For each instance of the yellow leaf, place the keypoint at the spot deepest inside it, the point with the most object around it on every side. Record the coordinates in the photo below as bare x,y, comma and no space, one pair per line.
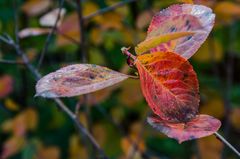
89,7
12,146
110,20
227,11
11,105
20,124
51,152
235,118
155,41
96,36
99,132
210,147
212,103
127,144
7,125
76,150
130,88
227,8
213,107
186,1
31,118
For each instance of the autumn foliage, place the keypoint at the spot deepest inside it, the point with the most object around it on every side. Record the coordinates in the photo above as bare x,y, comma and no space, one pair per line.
168,81
119,79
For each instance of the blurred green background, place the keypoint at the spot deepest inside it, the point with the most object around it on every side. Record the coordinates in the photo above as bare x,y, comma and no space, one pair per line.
34,128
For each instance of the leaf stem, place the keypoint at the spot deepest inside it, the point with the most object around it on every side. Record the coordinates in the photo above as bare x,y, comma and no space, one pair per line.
220,137
107,9
127,53
11,62
49,37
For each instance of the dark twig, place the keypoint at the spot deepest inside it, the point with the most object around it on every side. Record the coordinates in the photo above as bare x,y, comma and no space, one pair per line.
8,40
68,37
220,137
16,29
10,62
63,107
80,126
81,31
49,37
82,54
229,65
107,9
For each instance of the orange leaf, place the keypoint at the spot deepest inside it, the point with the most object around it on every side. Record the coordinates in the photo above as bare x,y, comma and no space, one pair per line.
35,7
169,85
187,1
12,146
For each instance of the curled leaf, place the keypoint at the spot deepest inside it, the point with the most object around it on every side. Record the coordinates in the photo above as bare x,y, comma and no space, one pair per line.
169,85
182,18
200,126
155,41
76,80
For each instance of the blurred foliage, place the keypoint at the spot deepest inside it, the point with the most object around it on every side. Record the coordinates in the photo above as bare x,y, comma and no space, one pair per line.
33,128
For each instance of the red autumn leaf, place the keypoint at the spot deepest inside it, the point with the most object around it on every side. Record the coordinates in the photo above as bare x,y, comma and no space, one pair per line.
182,18
169,85
76,80
200,126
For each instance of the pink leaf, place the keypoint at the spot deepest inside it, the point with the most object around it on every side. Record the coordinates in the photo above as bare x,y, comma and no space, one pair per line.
182,18
200,126
33,32
76,80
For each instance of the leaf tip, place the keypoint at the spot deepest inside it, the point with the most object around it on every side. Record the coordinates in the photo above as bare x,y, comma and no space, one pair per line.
46,94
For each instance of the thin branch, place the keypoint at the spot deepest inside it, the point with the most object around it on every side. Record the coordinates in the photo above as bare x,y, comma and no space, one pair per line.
80,126
16,29
220,137
63,107
68,37
49,37
107,9
81,31
8,40
133,77
10,62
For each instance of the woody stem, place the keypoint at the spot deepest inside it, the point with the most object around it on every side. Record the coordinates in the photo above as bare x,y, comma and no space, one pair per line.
127,53
220,137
